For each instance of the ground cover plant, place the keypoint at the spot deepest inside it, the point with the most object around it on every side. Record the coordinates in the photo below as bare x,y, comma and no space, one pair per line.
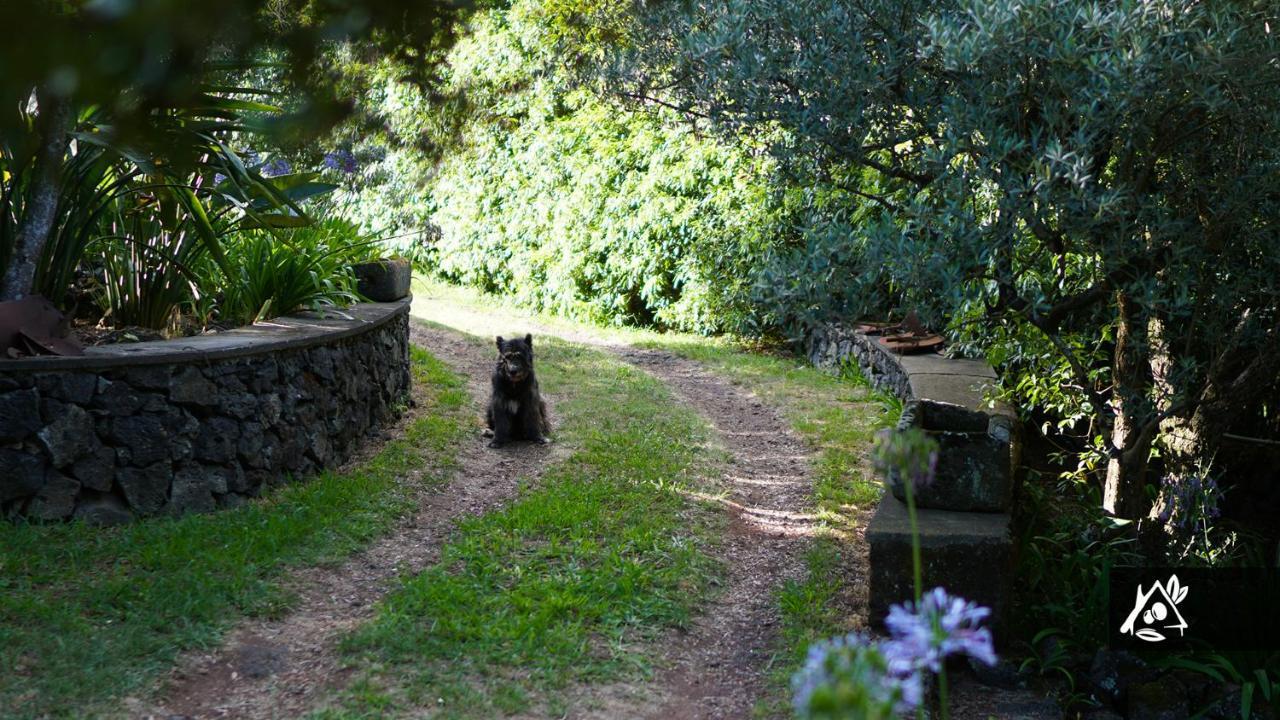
89,615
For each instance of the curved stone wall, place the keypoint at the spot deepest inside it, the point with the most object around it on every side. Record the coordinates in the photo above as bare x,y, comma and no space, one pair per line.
197,423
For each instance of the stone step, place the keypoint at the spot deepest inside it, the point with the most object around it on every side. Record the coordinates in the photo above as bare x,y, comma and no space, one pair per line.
969,554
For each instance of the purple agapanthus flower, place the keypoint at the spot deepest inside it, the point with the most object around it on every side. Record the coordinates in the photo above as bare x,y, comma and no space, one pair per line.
1190,499
845,674
851,666
941,625
277,167
342,160
906,455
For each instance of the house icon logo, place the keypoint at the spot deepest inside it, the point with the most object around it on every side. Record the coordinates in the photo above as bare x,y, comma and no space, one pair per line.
1156,611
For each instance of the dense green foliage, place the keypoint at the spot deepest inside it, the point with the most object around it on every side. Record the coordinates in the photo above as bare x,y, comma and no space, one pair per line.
276,272
1085,192
564,198
613,218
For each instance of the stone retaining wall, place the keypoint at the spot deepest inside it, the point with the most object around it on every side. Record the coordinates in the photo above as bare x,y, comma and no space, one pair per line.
192,424
832,346
963,515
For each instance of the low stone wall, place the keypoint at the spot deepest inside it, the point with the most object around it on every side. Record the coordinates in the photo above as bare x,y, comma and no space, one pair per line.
193,424
964,514
834,345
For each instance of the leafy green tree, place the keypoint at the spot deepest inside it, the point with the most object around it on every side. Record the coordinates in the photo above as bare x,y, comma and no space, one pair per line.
1087,191
559,196
140,65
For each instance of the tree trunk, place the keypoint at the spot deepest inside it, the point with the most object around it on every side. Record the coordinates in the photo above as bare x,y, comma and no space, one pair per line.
1133,429
40,206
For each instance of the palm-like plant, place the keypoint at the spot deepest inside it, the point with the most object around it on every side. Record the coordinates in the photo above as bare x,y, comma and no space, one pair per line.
147,204
284,270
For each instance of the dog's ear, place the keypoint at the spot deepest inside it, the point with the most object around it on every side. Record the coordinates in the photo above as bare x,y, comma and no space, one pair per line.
528,339
500,341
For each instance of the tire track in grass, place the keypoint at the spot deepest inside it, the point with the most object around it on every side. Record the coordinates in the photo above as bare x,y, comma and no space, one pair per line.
281,667
719,668
568,586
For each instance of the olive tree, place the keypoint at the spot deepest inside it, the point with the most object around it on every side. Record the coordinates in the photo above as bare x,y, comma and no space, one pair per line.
1088,191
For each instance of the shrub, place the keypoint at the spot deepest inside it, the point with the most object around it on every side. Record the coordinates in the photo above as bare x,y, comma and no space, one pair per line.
148,266
1085,189
279,271
526,184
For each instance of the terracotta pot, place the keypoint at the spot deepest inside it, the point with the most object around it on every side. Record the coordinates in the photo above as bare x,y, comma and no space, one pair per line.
383,280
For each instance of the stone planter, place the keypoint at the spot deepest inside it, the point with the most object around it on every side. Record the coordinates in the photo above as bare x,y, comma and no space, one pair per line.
384,280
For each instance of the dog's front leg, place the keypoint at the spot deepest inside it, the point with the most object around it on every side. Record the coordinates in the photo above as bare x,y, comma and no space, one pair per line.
531,423
501,426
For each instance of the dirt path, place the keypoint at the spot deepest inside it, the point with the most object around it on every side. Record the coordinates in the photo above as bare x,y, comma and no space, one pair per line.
719,669
282,668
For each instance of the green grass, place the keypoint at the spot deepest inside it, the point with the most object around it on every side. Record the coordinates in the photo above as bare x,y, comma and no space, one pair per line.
836,414
567,582
89,615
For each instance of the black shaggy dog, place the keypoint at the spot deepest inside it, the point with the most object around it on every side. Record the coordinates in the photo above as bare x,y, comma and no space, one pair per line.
516,410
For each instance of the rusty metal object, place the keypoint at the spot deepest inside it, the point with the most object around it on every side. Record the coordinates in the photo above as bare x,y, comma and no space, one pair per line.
910,337
873,328
33,326
912,345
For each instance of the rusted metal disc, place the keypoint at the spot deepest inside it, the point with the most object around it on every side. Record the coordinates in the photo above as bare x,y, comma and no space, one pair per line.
34,326
912,344
872,328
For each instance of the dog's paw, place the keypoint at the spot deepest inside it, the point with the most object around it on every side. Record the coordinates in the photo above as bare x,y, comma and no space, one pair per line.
495,444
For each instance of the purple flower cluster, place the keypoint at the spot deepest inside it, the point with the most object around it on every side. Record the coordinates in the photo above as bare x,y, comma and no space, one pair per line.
847,675
342,160
277,167
852,670
942,625
1189,500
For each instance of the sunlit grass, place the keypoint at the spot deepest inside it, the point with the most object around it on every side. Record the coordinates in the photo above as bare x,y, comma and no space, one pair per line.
837,415
570,581
88,615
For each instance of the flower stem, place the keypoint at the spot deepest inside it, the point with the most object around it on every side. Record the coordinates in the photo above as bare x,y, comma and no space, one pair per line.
915,540
944,707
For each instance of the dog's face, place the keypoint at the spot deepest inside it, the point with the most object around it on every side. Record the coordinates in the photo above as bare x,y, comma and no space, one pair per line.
515,357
